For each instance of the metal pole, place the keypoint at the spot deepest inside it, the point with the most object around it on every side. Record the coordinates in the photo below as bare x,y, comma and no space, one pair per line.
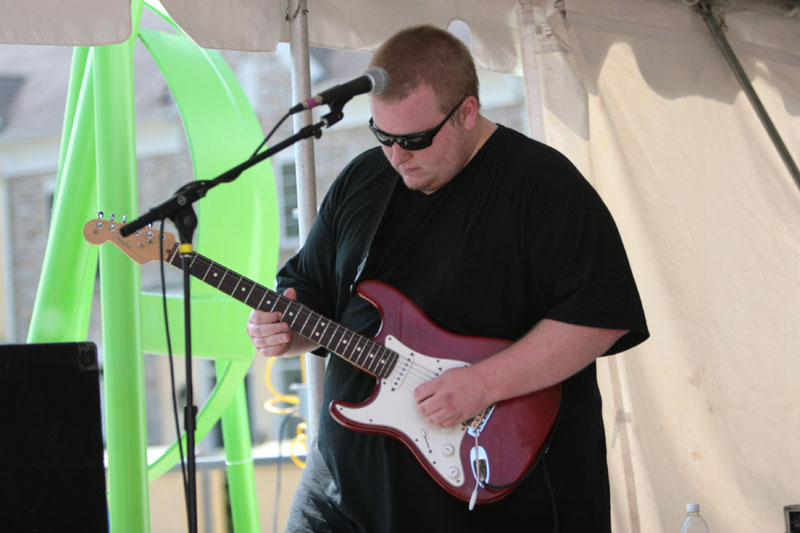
297,14
527,16
704,8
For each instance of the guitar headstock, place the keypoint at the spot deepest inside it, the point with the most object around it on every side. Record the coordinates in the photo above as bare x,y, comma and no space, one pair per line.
141,246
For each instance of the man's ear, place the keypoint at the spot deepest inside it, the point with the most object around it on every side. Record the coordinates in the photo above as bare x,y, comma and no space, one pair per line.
469,112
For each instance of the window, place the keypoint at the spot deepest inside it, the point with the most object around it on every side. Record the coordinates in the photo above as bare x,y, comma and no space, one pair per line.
286,184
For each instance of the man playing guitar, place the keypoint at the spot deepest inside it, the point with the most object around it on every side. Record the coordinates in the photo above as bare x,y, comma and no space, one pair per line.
491,235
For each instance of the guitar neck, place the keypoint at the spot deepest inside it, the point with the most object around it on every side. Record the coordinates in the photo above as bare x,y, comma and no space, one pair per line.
360,351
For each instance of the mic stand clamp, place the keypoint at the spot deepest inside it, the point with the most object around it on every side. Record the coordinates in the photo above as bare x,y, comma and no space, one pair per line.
334,116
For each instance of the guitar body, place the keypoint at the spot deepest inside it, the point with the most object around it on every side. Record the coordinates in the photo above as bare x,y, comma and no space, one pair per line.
511,435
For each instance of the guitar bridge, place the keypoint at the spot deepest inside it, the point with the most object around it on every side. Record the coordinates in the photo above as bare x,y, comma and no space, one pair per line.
476,424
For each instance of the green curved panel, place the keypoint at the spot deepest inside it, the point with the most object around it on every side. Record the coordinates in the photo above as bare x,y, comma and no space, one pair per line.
222,131
234,218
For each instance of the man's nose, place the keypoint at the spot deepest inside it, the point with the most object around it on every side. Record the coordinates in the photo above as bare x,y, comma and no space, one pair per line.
398,154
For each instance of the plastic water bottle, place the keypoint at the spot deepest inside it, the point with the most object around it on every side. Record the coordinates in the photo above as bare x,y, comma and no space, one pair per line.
693,523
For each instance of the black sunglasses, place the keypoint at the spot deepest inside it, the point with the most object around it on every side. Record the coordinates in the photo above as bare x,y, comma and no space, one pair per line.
411,141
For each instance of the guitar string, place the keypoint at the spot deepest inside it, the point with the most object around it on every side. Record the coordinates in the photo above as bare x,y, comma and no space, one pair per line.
303,314
415,375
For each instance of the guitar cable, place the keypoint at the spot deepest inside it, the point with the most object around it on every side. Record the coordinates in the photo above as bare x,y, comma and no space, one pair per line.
171,365
479,466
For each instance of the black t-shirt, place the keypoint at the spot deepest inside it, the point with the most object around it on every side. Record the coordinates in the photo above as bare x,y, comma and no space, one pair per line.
517,236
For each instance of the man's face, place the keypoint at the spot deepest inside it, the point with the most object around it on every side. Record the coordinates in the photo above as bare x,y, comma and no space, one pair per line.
428,169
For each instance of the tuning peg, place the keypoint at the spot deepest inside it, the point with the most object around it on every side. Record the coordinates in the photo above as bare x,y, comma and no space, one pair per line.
99,214
124,219
111,218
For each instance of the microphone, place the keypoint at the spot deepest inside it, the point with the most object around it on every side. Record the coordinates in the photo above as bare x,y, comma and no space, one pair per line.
374,80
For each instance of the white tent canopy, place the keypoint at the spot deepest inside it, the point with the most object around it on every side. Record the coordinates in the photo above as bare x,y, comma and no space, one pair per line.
637,93
258,25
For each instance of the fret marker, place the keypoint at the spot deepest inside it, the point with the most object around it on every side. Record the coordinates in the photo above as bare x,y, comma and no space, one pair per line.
269,301
216,274
316,333
243,289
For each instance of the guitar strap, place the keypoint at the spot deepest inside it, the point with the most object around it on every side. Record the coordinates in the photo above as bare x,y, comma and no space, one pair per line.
385,193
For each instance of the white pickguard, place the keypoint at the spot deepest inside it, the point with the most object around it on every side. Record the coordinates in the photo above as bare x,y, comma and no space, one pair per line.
396,408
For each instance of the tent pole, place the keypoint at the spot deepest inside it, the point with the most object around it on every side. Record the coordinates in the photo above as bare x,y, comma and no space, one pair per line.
704,8
527,15
297,13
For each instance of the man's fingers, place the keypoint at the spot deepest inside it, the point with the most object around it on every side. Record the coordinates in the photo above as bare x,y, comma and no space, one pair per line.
263,317
269,335
277,330
290,293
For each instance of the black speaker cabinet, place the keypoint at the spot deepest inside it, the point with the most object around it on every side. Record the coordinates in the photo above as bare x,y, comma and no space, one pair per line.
792,514
51,449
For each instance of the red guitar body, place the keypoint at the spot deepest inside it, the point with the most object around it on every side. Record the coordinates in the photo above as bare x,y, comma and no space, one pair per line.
511,433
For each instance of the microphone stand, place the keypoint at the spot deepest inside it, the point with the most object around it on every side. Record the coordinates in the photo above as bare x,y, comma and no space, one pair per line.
179,210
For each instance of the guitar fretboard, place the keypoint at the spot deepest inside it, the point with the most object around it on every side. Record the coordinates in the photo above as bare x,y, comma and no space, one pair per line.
364,353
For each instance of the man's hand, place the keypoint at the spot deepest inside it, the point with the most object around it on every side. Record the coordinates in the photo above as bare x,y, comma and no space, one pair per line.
452,398
548,354
267,333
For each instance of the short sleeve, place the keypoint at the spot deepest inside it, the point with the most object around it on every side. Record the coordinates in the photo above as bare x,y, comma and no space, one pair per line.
583,268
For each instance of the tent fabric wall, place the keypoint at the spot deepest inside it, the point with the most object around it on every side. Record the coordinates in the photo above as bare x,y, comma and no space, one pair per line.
707,410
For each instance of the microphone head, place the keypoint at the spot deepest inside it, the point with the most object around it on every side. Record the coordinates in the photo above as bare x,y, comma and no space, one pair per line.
379,79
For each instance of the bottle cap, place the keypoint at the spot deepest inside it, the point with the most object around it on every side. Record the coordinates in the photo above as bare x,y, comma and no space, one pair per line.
692,507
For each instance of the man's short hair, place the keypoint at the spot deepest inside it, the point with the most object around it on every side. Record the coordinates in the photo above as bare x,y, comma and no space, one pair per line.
431,56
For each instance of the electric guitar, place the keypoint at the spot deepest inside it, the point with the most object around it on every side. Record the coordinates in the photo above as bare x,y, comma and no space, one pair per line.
479,461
